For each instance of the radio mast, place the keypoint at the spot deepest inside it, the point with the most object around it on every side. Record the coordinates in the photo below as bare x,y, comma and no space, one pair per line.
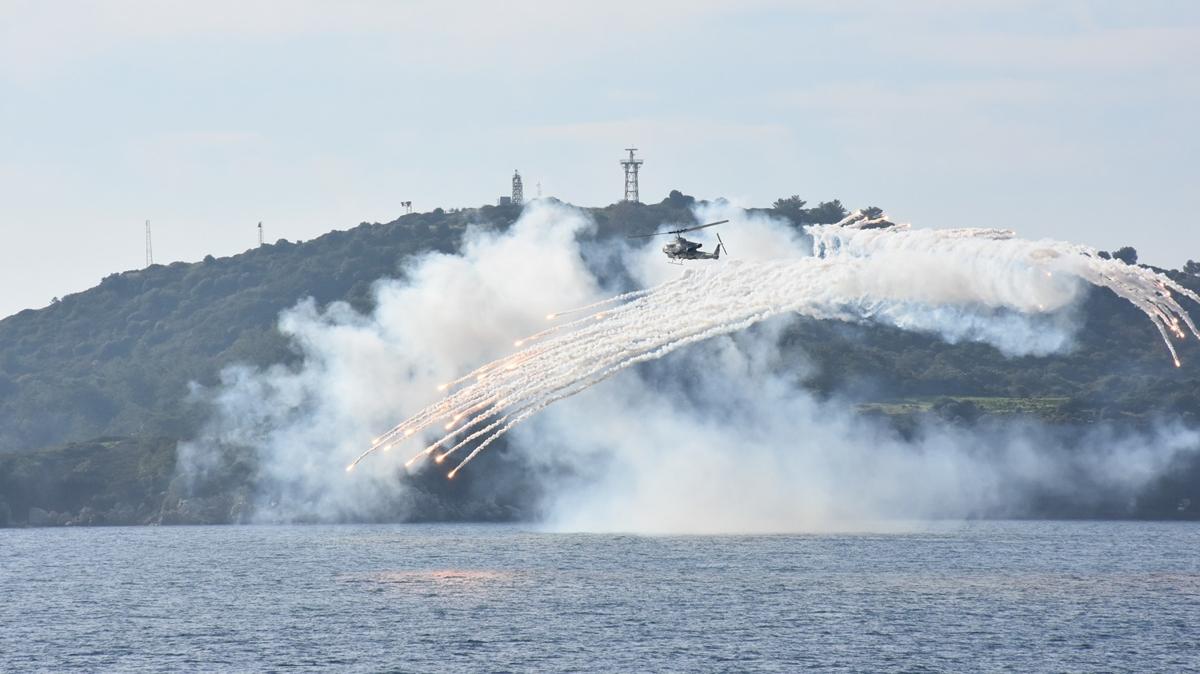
149,246
518,189
631,175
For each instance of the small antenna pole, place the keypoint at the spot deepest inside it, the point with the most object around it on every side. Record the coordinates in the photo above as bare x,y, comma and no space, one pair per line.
260,234
149,246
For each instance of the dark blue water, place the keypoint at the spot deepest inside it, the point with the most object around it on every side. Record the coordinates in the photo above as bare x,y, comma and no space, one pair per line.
1010,596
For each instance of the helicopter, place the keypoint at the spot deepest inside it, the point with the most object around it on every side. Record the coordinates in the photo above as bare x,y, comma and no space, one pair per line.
681,249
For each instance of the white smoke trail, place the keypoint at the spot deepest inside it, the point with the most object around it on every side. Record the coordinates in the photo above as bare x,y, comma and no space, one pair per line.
294,426
861,269
719,439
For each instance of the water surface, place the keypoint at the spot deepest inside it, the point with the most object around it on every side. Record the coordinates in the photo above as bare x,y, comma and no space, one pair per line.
996,596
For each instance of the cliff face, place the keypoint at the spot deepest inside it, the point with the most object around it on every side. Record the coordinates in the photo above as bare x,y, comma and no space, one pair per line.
133,481
105,481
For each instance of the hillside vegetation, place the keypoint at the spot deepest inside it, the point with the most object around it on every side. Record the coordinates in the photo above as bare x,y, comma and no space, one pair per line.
116,362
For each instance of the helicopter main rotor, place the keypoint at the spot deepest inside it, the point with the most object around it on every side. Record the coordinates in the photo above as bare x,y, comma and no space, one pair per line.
677,231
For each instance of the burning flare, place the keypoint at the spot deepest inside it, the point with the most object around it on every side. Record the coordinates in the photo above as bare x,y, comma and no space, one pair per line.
839,281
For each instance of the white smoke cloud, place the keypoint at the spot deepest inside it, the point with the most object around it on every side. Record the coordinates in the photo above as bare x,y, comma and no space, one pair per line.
740,448
748,453
755,237
840,281
359,371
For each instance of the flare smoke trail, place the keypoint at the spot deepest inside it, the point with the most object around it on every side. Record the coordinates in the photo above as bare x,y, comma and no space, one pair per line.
861,269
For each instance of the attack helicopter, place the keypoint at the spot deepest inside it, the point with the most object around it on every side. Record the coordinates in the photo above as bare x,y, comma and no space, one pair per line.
681,249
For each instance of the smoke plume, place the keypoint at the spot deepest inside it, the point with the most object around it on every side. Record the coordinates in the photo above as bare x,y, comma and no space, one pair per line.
712,437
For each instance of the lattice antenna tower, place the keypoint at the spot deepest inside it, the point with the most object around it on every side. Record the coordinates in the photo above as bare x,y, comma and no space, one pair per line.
631,175
260,234
149,246
518,191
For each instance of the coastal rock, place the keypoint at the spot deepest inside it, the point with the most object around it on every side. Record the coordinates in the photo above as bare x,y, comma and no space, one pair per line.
123,514
88,517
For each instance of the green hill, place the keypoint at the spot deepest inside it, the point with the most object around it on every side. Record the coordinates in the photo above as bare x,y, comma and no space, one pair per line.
116,361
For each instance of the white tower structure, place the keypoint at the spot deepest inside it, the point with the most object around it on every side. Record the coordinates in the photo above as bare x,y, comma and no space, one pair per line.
518,191
149,246
631,175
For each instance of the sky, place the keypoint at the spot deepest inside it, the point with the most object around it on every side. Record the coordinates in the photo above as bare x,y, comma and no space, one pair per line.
1064,120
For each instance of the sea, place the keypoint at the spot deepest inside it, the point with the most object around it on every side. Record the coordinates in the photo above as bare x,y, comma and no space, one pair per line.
980,596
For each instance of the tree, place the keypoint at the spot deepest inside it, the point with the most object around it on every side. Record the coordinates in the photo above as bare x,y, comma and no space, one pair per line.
1126,254
959,411
873,212
1192,267
679,199
826,212
792,203
791,208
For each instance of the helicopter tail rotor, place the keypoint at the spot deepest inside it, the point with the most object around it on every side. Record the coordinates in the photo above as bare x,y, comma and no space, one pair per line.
720,247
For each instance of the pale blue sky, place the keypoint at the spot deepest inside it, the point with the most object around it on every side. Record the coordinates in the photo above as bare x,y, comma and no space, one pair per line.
1069,120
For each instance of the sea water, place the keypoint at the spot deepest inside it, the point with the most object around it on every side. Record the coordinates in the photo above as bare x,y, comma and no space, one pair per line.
952,597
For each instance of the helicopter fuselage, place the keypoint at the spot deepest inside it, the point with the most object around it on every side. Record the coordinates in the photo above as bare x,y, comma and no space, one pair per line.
682,249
